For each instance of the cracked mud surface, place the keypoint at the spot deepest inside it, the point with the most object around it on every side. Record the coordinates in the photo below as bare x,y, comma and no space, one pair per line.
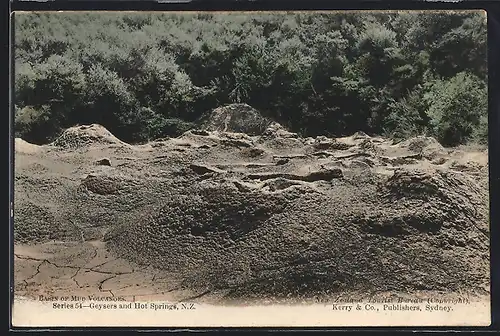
87,269
218,216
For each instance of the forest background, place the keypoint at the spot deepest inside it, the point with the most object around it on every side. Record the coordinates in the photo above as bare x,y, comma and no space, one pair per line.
150,75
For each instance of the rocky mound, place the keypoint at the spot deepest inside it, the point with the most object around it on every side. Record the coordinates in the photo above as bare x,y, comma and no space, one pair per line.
86,135
238,118
270,215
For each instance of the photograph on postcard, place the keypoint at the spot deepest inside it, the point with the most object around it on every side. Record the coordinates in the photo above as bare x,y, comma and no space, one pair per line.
251,168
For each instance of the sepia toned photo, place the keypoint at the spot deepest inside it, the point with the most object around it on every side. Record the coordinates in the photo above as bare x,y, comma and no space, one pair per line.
239,169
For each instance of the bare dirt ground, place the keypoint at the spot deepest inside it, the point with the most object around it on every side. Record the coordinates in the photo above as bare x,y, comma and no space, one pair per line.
219,216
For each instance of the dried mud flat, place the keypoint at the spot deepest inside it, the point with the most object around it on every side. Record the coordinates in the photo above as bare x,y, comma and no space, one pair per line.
224,217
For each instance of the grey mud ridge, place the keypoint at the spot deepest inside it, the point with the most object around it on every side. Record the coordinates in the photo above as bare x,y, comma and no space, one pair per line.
225,215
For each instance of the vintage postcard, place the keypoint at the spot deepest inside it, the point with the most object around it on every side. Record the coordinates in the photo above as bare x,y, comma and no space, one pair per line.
276,169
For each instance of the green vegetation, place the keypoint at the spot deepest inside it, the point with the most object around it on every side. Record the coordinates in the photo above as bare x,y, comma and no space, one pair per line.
149,75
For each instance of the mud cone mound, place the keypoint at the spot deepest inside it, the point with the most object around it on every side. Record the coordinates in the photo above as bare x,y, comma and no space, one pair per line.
428,146
292,238
86,135
237,118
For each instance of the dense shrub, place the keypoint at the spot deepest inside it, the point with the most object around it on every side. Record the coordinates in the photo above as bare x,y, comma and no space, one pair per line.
35,123
407,116
457,108
159,127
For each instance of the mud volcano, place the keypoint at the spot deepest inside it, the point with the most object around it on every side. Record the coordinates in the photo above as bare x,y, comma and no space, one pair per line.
265,215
